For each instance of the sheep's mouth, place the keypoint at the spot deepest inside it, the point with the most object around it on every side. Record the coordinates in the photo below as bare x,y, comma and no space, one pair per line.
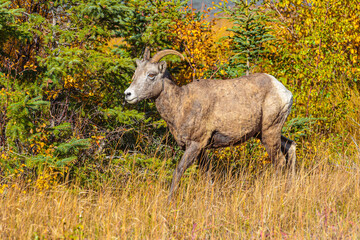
132,101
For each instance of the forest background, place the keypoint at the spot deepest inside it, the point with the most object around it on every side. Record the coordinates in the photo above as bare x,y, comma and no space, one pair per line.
65,129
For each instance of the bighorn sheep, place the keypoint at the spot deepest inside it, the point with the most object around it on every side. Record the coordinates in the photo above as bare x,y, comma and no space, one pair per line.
215,113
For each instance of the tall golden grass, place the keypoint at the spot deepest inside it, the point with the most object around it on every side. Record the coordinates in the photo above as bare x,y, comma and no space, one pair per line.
321,202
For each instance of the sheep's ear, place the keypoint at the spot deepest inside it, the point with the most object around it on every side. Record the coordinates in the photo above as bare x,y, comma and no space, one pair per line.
147,54
162,66
138,61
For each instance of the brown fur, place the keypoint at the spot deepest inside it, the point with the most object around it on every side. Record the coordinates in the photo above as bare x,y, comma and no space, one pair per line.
217,113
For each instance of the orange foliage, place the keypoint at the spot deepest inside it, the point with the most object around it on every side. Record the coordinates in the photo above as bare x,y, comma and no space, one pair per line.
196,35
20,56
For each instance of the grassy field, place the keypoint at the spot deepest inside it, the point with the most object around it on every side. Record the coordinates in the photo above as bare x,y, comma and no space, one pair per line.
321,202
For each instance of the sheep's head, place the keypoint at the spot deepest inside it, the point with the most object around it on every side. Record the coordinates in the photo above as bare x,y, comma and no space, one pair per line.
148,79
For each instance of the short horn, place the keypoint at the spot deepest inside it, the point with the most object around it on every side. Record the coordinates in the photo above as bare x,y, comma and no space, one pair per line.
147,53
158,56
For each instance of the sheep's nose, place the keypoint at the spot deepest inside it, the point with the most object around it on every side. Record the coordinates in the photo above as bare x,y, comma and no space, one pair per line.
127,93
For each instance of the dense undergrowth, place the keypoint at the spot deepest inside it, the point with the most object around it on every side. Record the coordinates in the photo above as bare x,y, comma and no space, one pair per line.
69,141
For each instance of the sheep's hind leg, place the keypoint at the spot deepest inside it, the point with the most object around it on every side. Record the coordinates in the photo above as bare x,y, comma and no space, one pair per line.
288,148
271,138
273,122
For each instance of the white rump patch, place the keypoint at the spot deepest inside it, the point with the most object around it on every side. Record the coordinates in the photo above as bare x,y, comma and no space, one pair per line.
284,94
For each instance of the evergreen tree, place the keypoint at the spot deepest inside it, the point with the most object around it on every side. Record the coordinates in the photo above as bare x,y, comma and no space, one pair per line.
249,35
61,79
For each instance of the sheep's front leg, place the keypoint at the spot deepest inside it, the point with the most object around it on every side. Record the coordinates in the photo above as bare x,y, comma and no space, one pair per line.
191,153
204,161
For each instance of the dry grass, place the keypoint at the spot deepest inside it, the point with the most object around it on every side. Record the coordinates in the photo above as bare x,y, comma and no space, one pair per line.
320,203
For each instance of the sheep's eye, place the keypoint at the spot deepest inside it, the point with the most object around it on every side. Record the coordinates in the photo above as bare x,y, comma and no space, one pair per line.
152,76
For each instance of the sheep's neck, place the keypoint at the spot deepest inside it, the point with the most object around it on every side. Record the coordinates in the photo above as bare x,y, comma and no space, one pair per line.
168,102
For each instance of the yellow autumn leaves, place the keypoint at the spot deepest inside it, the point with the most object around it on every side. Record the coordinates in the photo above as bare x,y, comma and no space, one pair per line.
195,35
